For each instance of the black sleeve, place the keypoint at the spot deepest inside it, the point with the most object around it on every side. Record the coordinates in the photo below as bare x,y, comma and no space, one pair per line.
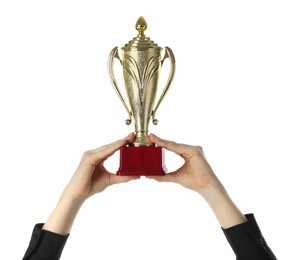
45,245
248,242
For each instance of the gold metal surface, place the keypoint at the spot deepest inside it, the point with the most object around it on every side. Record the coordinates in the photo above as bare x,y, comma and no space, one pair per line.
141,62
114,54
141,26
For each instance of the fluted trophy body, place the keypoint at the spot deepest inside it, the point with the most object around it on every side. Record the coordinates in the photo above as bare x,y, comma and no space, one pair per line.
141,74
142,62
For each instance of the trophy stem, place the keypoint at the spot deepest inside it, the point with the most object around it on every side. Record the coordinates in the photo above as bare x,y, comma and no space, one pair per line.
142,139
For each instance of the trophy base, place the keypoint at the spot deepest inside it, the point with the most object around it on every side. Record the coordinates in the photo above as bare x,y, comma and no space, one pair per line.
141,161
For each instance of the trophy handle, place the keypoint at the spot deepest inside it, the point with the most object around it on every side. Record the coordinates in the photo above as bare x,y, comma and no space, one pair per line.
114,54
168,54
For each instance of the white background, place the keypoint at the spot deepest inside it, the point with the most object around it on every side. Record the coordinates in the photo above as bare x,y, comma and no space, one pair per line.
234,93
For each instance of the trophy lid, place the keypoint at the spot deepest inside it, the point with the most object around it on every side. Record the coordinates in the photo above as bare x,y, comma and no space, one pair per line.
141,42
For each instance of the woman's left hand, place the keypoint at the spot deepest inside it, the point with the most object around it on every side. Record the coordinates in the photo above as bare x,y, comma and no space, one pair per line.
91,176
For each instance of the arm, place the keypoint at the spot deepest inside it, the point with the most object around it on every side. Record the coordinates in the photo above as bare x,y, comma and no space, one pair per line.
91,177
196,174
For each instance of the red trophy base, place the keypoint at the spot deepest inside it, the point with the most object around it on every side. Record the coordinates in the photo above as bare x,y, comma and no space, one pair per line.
141,161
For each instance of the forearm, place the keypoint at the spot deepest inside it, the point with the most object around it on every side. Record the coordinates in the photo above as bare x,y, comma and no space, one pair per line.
223,207
63,216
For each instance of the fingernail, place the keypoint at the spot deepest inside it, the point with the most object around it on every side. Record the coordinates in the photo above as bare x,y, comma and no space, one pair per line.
130,135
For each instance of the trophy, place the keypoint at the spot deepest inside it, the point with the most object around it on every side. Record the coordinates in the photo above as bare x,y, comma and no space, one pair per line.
141,62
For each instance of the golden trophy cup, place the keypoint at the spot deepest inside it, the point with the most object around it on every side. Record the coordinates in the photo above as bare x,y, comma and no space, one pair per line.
141,62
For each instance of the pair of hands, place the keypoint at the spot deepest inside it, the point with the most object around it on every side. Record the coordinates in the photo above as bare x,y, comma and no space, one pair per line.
92,177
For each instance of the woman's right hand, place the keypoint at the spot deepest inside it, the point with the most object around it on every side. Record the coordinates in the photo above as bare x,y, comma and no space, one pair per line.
195,173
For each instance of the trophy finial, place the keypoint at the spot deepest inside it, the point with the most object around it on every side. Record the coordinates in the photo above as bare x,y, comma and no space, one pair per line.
141,26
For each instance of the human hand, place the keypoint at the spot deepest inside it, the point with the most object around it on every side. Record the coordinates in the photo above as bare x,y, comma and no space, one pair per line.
91,176
195,173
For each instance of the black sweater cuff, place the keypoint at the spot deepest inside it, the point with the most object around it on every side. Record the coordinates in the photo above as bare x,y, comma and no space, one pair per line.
45,245
247,241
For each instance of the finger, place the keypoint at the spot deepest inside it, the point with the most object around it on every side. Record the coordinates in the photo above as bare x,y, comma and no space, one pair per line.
180,149
169,177
97,155
115,179
170,145
117,144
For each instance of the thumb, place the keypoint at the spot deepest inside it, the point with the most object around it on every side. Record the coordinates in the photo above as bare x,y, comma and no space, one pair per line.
115,179
169,177
172,146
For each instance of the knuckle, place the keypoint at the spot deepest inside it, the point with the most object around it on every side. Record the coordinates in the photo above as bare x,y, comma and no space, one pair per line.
197,149
87,155
170,143
200,148
163,143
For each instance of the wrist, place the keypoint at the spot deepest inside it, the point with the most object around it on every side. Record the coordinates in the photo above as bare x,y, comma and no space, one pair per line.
225,210
215,194
72,198
212,191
